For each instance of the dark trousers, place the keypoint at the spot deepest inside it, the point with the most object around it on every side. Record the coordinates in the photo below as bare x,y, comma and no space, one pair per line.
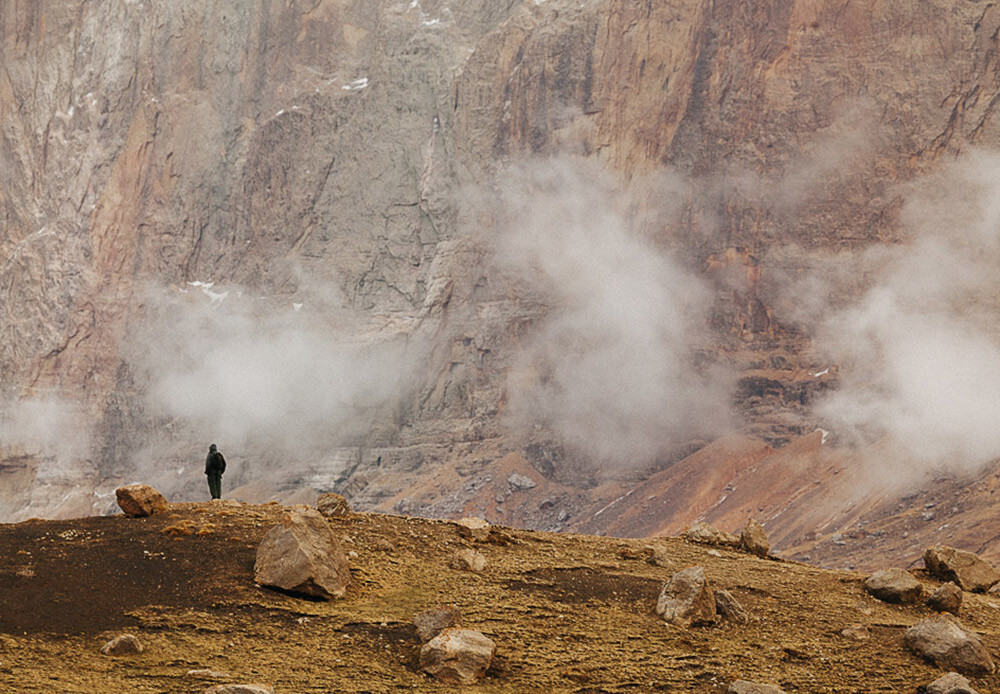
215,484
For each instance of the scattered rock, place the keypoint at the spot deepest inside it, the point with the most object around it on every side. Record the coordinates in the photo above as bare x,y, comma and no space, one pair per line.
966,569
521,482
706,534
333,505
468,560
432,622
140,500
457,656
894,585
302,556
474,528
947,598
686,599
240,689
753,539
945,642
744,687
728,607
208,674
658,556
952,683
124,644
857,632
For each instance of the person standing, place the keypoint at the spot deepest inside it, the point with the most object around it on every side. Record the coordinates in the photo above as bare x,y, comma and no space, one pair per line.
215,465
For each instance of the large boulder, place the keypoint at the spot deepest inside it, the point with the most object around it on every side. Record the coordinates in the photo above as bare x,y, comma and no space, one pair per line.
952,683
124,644
945,642
432,622
686,599
706,534
947,598
302,556
894,585
140,500
745,687
457,656
753,539
966,569
333,505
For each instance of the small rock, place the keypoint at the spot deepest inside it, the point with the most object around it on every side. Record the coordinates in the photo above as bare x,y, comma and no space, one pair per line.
430,623
945,642
728,607
857,632
208,674
457,656
714,553
140,500
947,598
686,600
240,689
952,683
124,644
838,539
302,556
744,687
333,505
522,482
895,586
753,539
706,534
468,560
658,556
474,528
966,569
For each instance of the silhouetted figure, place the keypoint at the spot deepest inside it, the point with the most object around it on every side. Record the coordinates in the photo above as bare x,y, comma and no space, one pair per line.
215,465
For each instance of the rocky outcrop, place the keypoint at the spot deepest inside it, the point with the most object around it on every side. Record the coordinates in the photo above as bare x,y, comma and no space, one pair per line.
140,500
894,585
686,599
302,556
966,569
457,656
474,528
945,642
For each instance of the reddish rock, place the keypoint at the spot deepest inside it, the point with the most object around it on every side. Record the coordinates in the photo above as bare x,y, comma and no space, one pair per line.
457,656
753,539
140,500
302,556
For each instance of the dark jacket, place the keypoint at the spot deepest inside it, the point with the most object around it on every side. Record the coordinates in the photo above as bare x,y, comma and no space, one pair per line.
215,463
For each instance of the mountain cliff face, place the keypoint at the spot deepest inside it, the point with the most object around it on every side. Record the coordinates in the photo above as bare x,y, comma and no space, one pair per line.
288,227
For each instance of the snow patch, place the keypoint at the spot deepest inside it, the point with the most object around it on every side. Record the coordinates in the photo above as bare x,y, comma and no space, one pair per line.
826,434
824,372
356,85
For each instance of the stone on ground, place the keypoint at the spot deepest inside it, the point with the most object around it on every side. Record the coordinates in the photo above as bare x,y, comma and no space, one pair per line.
945,642
124,644
947,598
658,556
745,687
753,539
140,500
857,632
468,560
966,569
333,505
686,599
706,534
894,585
457,656
302,556
206,674
952,683
240,689
728,607
474,528
432,622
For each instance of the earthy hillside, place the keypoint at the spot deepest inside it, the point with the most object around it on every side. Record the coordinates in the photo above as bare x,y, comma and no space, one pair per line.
632,254
569,613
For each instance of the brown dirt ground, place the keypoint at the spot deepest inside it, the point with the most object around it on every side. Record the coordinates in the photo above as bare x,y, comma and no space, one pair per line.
570,613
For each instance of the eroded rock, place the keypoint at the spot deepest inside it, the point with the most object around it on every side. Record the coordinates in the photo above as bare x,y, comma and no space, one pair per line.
753,539
468,560
457,656
302,556
333,505
430,623
123,644
945,642
728,607
894,585
474,528
952,683
706,534
140,500
686,599
966,569
947,598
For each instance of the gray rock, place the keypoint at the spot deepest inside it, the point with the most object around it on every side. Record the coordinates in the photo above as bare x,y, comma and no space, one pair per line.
745,687
947,598
966,569
430,623
945,642
521,482
728,607
302,556
123,644
706,534
457,656
753,539
686,599
333,505
952,683
894,585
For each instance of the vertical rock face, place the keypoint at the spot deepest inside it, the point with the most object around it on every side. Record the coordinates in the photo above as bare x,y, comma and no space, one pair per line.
159,157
